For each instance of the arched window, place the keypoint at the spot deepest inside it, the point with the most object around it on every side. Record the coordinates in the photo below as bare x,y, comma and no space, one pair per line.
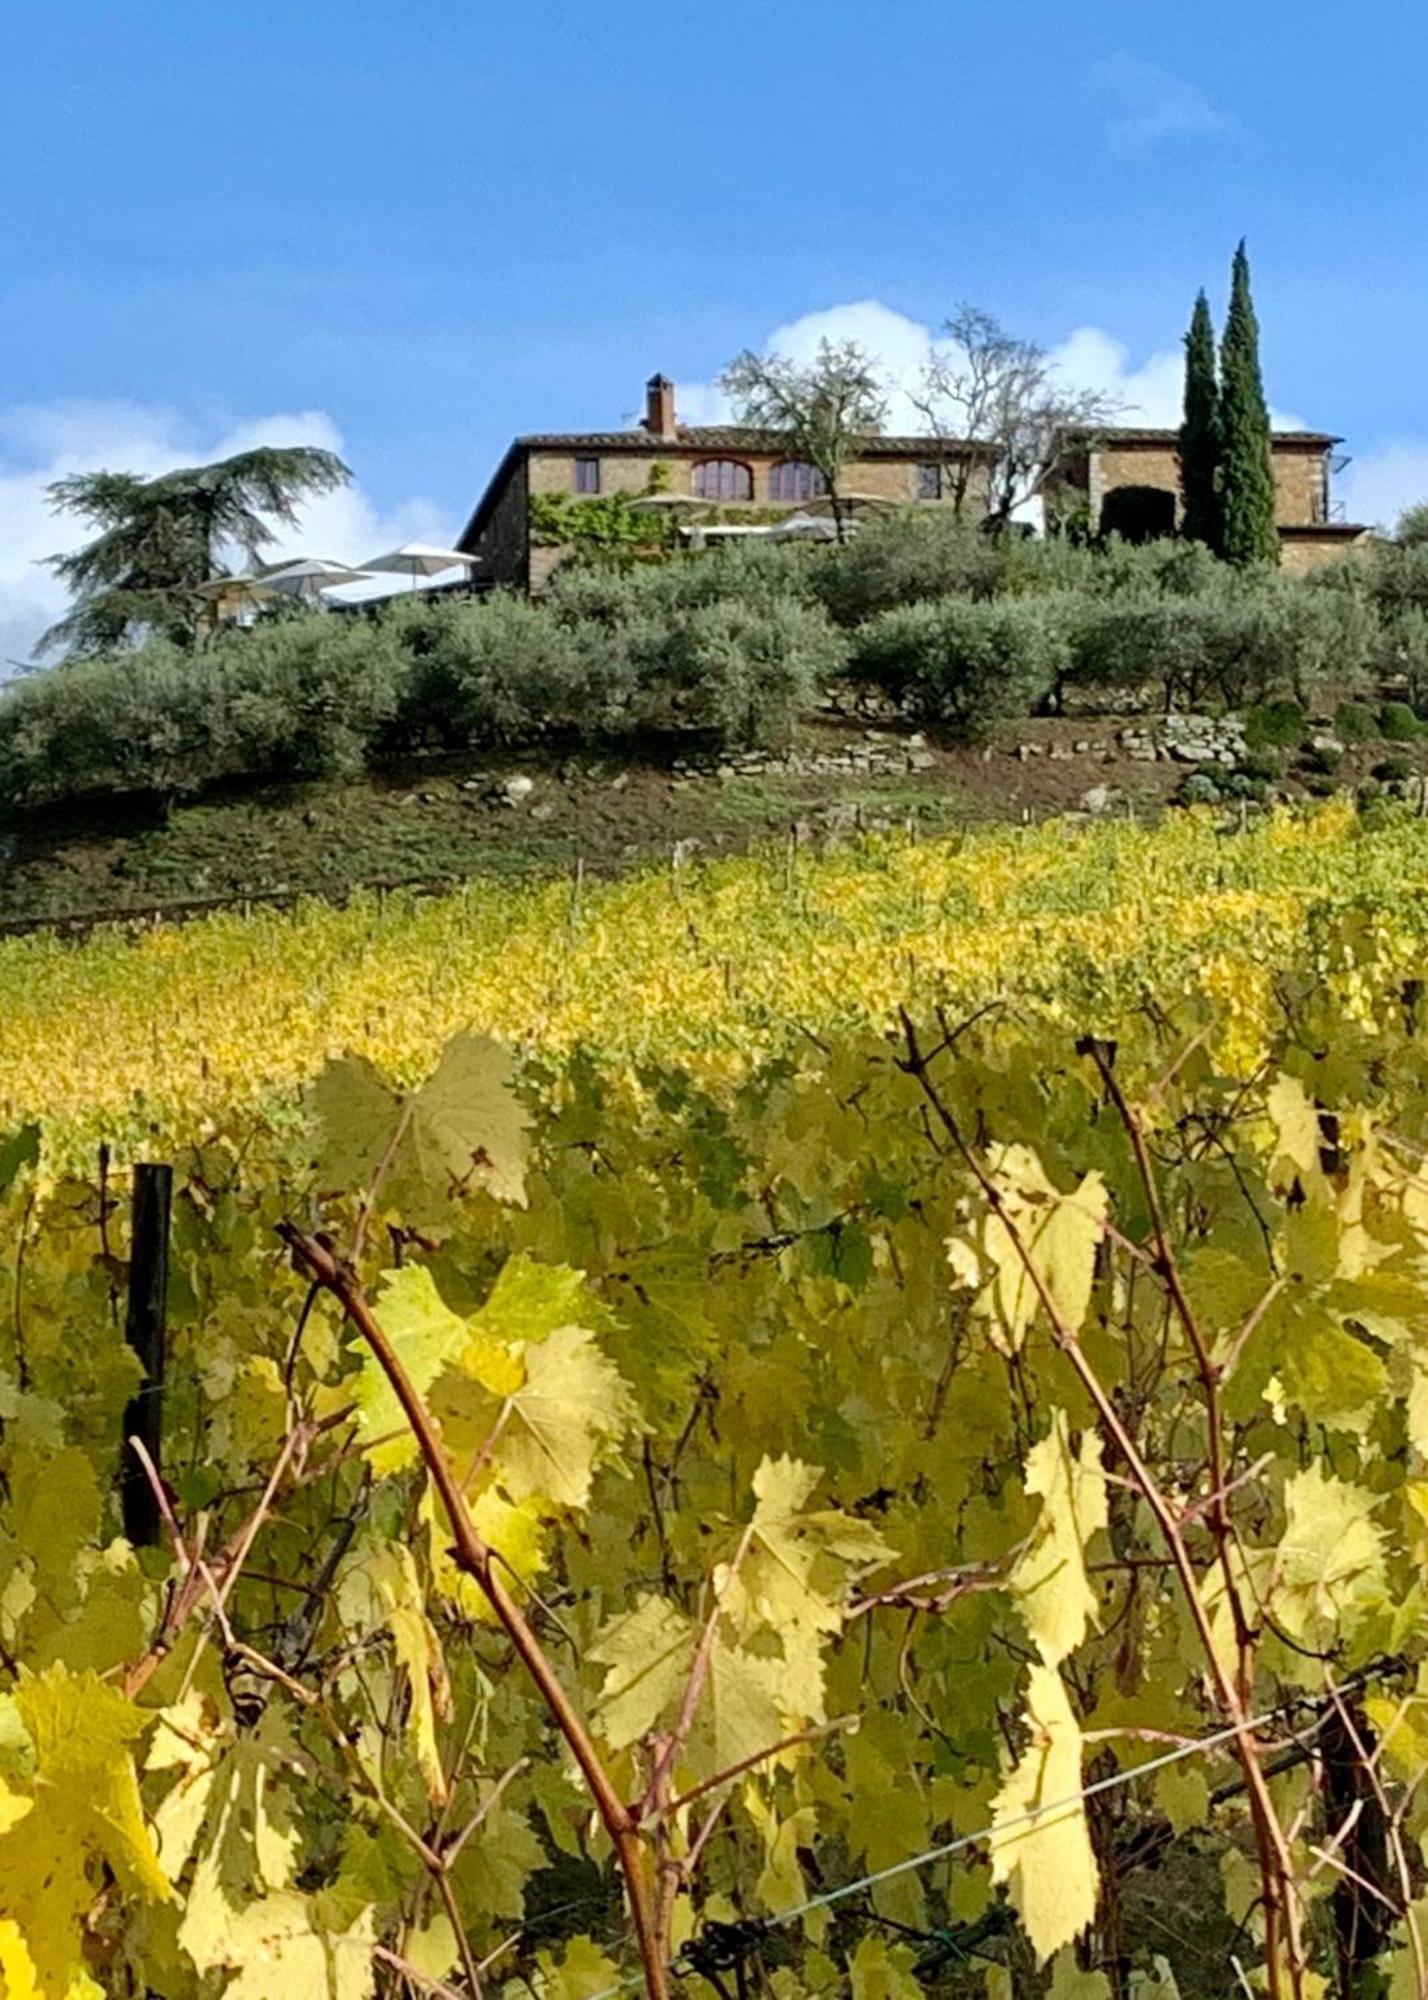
796,479
722,479
1138,513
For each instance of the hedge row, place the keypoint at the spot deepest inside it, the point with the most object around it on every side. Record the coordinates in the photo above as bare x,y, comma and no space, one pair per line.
316,695
732,647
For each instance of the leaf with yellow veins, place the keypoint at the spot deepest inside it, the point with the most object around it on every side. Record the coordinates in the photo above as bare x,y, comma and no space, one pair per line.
1047,1862
1057,1233
566,1419
796,1576
1049,1581
740,1714
517,1534
428,1337
1329,1569
385,1576
647,1655
529,1300
85,1820
467,1124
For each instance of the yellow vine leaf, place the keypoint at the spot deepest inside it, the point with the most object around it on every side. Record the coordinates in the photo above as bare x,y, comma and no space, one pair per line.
467,1124
1059,1234
647,1655
279,1947
1047,1863
13,1807
516,1533
1329,1570
428,1337
1295,1123
464,1127
796,1577
565,1420
250,1837
386,1577
581,1971
18,1978
1068,1982
883,1971
85,1819
1049,1580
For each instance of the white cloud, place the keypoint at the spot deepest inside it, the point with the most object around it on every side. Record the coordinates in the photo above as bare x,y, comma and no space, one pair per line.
1148,391
1145,104
43,442
1379,486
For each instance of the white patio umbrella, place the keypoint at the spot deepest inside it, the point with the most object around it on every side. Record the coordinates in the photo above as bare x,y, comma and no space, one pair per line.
804,528
307,578
416,559
235,594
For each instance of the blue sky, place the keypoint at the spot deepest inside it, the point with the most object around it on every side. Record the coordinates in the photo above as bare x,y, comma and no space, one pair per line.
422,229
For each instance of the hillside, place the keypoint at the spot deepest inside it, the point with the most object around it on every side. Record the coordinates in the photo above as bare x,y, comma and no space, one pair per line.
443,821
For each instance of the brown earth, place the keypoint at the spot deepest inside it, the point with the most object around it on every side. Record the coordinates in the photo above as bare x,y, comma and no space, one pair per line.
447,821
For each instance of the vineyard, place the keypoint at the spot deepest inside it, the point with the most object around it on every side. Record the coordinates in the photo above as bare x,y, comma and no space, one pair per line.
845,1423
157,1036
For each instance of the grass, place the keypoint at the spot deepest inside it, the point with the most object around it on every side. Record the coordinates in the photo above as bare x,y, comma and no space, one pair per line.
425,828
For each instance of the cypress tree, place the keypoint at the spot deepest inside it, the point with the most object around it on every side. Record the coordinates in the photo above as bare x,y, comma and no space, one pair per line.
1200,431
1247,530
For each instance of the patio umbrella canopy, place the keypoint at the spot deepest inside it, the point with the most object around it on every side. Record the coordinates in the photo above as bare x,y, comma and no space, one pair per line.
804,528
416,559
309,577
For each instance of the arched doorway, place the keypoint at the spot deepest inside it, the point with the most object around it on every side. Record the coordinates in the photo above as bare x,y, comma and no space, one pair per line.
1138,513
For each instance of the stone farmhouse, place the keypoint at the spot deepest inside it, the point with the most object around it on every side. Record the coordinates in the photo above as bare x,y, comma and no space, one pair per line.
1121,479
725,465
1126,481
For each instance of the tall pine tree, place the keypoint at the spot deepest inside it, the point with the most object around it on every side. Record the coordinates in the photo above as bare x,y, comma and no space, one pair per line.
1247,530
1200,431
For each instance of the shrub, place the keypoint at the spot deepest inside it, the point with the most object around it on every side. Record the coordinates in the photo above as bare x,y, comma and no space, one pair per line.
1249,641
1275,725
1148,645
1402,654
1266,765
1397,723
961,664
487,672
908,558
1319,760
1199,789
1355,722
743,673
297,698
1392,770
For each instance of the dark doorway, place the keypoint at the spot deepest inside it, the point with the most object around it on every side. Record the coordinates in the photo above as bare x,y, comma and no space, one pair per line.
1138,513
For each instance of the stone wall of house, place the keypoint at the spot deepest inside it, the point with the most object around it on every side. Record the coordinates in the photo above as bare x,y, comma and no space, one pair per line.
501,552
1299,554
1298,485
893,479
1298,477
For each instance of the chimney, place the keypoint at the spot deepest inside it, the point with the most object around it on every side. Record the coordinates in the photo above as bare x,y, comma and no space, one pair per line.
659,406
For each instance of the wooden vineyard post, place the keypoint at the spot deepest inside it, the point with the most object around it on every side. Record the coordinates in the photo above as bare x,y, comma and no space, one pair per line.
144,1331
